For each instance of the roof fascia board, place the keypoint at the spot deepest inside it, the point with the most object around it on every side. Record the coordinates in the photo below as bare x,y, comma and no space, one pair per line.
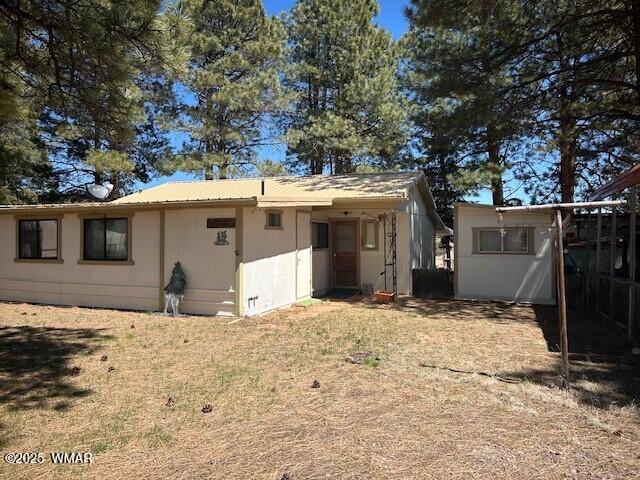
430,203
108,207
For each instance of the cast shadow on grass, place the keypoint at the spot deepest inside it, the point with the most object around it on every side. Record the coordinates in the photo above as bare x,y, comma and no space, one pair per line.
603,371
36,365
458,310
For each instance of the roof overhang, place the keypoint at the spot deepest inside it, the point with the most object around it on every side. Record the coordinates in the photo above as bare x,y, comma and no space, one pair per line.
618,184
561,206
425,191
119,207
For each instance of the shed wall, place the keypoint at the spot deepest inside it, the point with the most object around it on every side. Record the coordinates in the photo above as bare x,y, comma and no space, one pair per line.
508,277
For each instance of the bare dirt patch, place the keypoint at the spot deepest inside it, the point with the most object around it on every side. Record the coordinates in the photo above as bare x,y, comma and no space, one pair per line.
420,411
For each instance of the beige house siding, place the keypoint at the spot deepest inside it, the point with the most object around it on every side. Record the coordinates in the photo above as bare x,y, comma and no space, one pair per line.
70,283
256,269
210,268
508,277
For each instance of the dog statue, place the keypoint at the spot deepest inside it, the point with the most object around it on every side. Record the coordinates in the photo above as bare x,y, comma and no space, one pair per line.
174,291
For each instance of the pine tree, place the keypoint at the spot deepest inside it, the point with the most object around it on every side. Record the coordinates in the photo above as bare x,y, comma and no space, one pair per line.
467,115
75,65
228,54
343,68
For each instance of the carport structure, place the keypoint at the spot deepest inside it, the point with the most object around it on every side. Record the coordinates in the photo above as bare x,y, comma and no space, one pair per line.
605,288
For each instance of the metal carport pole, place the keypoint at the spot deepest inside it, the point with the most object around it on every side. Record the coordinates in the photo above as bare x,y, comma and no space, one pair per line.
556,208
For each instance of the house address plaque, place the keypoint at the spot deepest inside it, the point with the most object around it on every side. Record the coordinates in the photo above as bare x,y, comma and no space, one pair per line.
221,223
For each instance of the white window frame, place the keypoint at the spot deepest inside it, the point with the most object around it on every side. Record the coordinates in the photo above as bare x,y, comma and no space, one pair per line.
530,231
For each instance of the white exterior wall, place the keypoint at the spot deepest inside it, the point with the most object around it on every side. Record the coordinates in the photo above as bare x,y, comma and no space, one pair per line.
210,268
508,277
269,262
320,272
70,283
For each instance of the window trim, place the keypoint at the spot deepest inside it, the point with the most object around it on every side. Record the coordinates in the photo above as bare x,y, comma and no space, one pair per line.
530,241
112,215
375,235
276,212
58,219
320,249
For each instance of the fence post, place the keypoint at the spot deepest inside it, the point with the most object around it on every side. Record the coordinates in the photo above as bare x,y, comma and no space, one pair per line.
632,261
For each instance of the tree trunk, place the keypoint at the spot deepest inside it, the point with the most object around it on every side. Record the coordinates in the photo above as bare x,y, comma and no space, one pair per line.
208,168
635,32
495,163
567,156
344,162
567,135
223,171
316,164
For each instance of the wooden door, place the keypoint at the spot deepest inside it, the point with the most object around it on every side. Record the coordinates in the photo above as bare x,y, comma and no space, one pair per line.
344,249
303,254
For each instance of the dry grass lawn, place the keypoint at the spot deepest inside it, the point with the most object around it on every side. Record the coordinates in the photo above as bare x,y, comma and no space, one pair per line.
416,413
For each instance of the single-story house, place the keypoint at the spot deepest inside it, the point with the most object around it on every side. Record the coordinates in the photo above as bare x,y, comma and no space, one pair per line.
507,256
247,246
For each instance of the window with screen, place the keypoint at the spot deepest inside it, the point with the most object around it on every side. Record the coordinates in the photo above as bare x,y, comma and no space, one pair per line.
369,235
320,235
506,240
38,239
274,220
106,239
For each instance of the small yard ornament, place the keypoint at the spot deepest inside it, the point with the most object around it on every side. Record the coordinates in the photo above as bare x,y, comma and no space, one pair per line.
174,291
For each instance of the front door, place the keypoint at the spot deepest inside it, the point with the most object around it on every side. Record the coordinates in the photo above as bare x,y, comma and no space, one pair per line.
345,253
303,254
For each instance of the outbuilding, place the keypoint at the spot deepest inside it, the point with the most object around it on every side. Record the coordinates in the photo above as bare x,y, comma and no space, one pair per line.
503,256
247,246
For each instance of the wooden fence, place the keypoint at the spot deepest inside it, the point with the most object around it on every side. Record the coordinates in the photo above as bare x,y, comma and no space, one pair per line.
436,283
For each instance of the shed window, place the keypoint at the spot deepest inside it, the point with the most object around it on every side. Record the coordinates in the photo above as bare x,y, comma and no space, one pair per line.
38,239
320,235
369,235
106,239
506,240
274,220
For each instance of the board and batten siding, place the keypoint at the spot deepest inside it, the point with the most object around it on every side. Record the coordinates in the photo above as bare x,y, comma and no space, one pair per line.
125,286
210,268
505,277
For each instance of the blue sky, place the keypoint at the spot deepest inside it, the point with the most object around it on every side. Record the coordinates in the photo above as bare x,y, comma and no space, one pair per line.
391,17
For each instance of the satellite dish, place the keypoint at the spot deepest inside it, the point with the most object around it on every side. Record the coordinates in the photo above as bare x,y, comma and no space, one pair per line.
100,191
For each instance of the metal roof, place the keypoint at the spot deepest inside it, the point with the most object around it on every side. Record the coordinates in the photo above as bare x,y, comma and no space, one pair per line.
316,190
317,187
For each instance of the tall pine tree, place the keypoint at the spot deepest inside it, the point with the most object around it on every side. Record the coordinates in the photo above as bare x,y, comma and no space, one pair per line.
348,109
467,115
225,82
74,66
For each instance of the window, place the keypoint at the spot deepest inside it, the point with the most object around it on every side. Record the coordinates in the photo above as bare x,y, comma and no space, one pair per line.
106,239
370,235
38,239
274,220
320,235
506,240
